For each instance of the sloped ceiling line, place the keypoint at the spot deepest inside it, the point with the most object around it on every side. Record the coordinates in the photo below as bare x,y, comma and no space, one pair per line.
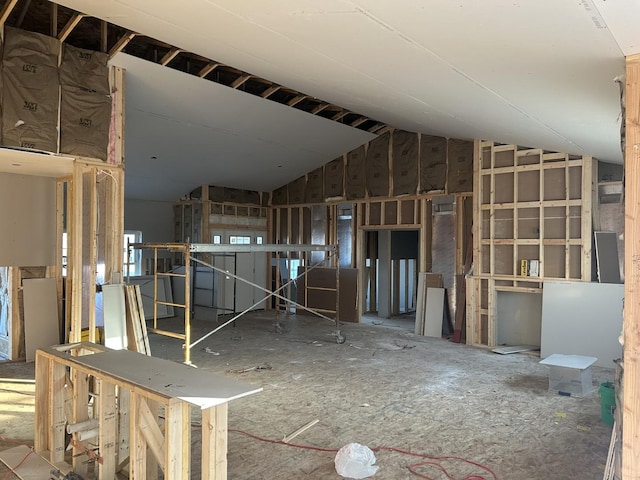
172,56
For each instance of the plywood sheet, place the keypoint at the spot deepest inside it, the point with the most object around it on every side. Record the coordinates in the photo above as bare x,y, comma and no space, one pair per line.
581,318
40,314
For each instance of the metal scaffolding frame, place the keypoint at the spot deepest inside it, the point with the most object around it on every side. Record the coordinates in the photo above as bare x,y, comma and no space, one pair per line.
189,250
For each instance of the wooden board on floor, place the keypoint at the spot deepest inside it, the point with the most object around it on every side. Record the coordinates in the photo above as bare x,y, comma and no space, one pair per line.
40,314
34,467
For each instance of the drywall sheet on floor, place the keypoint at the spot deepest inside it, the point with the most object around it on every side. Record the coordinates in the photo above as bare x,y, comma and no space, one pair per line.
26,463
115,325
40,314
582,318
165,294
518,318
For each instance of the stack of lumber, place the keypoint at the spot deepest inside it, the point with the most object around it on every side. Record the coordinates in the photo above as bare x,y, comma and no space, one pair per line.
137,338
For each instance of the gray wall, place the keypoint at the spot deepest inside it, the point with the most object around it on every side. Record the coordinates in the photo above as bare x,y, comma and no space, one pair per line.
153,219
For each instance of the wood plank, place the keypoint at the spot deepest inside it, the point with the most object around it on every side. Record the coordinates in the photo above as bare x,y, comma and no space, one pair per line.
138,443
148,427
42,414
57,379
80,412
214,441
177,436
631,391
107,438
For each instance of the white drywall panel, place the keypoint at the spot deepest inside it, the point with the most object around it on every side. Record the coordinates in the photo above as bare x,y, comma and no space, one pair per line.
28,219
518,318
582,318
40,300
115,326
434,312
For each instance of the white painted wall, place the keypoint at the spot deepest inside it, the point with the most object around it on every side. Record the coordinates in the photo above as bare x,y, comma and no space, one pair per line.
154,219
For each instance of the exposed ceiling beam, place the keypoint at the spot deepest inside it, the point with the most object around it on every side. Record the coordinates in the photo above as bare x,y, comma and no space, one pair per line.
320,108
384,129
71,24
121,43
6,11
240,81
206,70
339,115
270,91
359,121
296,100
171,54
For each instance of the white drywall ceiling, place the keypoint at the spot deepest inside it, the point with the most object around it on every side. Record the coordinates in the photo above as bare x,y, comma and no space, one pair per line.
201,132
536,73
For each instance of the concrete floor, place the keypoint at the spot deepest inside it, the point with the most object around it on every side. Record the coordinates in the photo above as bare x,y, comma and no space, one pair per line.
384,387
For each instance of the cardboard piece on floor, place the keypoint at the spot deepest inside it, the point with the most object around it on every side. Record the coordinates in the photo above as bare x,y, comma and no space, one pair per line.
515,349
40,299
115,326
34,466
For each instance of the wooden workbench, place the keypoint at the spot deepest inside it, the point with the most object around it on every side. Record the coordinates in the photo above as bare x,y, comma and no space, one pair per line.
128,389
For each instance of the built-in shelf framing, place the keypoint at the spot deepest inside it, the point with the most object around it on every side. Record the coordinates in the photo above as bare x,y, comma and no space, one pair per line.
529,204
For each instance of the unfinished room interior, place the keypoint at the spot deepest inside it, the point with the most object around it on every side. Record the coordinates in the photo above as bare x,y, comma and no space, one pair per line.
340,239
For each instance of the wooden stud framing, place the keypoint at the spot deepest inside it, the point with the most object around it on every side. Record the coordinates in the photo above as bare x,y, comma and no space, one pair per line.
170,55
241,80
631,385
121,43
270,91
214,441
71,24
207,69
6,11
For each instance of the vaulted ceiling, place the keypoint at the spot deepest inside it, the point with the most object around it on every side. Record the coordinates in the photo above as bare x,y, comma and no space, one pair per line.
539,74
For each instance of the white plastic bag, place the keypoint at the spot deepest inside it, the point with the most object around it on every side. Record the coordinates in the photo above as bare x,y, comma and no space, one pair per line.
355,461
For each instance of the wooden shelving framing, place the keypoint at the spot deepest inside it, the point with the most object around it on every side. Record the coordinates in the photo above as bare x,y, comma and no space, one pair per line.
124,424
529,204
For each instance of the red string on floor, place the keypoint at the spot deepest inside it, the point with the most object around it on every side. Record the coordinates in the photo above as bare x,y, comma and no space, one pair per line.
431,459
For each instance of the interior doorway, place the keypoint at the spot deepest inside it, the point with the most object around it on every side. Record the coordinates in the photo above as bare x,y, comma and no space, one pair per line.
390,277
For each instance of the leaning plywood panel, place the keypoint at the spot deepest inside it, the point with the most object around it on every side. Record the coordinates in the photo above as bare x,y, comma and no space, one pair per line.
581,318
29,223
40,314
